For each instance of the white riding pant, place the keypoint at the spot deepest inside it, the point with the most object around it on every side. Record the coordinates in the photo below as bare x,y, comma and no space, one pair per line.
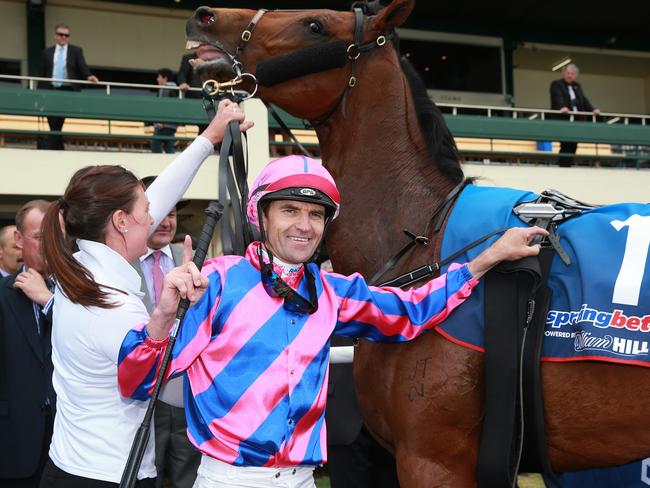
214,473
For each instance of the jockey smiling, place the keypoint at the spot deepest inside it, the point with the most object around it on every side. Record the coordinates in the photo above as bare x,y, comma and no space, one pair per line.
255,346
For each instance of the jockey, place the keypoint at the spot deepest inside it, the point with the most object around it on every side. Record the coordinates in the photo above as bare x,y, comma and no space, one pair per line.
255,347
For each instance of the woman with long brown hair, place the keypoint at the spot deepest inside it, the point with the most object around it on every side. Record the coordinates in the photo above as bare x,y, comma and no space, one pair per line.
107,213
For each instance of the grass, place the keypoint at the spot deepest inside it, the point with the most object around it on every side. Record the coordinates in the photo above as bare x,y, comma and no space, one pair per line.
524,481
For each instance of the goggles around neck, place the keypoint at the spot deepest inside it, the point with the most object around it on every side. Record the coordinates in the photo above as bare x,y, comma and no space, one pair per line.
294,302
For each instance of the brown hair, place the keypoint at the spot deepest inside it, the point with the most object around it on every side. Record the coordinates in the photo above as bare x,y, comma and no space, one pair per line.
90,199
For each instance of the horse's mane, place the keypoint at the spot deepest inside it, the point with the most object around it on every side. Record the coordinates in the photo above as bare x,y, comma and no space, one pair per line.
440,142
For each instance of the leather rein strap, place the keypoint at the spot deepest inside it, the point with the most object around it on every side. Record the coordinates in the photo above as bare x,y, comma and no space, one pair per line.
428,270
236,233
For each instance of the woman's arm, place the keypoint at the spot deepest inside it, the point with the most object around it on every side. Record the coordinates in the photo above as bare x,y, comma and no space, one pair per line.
173,182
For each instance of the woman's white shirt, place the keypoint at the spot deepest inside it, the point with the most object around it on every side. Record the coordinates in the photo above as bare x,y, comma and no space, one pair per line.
95,426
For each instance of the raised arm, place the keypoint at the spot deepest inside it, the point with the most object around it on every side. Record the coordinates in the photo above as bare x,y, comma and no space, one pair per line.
393,315
173,182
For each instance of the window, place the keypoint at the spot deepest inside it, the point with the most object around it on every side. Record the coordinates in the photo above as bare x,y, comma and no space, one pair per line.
454,66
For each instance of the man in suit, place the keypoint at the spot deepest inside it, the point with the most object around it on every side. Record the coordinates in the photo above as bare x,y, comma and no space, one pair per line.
176,459
187,78
10,255
27,398
64,62
567,96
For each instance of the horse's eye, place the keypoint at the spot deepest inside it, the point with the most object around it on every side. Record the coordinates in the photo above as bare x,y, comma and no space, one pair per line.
315,27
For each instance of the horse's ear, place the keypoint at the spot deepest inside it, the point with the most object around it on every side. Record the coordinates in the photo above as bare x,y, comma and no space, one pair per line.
392,15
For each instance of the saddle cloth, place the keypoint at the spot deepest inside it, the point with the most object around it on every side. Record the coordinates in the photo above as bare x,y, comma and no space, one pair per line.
600,309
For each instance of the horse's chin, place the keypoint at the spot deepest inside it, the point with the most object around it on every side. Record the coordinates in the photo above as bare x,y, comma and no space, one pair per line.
216,69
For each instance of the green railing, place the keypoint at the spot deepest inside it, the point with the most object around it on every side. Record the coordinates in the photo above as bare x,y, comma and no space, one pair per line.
128,107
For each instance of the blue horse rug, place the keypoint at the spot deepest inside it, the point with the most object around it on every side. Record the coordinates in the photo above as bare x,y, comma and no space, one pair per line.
600,308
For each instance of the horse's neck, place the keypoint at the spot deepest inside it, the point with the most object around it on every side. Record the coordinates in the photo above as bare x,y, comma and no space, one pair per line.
387,180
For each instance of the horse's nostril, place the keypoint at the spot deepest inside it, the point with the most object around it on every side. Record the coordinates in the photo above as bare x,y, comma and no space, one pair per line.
205,16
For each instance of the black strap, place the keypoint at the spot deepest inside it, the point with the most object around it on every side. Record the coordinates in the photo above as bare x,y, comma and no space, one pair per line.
441,212
511,284
233,187
430,270
286,131
535,453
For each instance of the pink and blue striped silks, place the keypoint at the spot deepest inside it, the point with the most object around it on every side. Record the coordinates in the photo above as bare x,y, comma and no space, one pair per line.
256,374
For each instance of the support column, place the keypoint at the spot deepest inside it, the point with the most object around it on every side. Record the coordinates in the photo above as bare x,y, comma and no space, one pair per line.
35,35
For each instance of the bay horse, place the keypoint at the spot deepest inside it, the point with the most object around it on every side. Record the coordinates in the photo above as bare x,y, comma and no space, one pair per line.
394,161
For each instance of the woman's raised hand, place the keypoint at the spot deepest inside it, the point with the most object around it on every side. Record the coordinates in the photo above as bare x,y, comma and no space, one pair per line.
226,112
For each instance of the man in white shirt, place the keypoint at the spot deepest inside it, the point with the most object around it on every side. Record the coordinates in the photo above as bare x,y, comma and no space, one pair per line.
10,254
62,61
177,461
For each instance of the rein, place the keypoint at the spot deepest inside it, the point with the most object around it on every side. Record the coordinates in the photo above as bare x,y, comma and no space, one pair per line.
236,234
439,215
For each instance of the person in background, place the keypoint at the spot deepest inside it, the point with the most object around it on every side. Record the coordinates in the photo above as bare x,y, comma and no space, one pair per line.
567,96
63,61
187,78
164,78
256,345
107,213
176,459
27,399
10,254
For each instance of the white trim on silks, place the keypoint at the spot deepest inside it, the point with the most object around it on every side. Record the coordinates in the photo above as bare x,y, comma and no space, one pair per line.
216,474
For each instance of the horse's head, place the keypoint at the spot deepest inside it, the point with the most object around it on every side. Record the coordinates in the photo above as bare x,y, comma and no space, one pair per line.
302,56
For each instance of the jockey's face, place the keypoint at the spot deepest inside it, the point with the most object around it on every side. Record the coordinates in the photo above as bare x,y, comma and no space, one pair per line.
294,229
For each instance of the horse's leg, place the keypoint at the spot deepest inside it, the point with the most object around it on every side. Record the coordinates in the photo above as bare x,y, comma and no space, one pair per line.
424,399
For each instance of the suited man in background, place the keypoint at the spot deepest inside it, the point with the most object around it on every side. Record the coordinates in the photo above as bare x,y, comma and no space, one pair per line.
177,461
187,78
27,398
567,96
65,62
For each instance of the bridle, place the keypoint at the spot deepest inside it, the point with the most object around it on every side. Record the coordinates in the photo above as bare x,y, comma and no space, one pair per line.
353,53
215,88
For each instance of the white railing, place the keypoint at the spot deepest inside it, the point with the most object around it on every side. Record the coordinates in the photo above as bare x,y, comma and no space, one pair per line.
542,114
31,83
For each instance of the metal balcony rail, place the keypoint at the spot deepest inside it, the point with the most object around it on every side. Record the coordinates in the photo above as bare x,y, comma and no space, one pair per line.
31,83
542,114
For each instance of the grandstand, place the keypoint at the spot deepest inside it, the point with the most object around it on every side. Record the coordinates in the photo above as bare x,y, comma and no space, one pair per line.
493,89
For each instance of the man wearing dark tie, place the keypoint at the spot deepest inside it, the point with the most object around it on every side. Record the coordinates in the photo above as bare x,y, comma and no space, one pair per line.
176,459
27,398
62,61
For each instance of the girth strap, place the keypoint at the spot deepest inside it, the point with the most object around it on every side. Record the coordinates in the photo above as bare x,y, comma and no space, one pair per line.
509,306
